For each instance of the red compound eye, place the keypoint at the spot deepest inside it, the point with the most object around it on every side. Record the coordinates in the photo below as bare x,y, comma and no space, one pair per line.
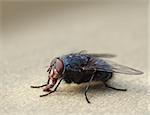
59,66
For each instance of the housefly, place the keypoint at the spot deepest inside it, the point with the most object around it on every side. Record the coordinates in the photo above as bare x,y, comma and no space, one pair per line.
83,67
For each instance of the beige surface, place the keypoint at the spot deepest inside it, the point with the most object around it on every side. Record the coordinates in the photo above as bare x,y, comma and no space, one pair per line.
35,32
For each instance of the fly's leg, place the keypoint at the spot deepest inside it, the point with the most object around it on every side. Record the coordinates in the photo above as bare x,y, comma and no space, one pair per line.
106,85
38,86
87,88
53,90
41,85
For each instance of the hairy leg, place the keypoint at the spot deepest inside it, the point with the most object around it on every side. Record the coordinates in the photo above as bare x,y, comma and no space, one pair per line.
41,85
87,88
118,89
53,90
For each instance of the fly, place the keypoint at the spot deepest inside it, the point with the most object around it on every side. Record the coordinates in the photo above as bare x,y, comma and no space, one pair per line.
83,67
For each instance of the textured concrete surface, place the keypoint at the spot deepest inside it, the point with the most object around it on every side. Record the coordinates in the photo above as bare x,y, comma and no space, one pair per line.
35,32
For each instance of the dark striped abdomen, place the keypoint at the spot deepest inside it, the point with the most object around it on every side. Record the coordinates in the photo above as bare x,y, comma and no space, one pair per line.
80,77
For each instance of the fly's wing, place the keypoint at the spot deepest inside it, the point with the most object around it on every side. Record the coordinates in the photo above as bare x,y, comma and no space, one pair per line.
103,55
117,68
109,66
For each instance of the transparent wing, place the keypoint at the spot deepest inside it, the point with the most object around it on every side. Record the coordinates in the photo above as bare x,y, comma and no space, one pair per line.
123,69
102,55
109,66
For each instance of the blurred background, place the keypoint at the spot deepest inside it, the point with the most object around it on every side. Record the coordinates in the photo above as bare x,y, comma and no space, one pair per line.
33,32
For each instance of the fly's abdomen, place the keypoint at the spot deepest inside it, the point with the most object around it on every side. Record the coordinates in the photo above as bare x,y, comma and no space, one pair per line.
81,77
103,76
77,77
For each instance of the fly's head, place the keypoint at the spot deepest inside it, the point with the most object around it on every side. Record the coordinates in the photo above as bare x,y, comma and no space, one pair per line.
55,70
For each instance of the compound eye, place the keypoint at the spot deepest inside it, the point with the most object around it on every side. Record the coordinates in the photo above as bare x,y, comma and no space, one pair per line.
53,63
59,66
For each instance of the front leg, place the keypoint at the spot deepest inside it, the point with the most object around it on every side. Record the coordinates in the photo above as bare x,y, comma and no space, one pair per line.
41,85
50,91
38,86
